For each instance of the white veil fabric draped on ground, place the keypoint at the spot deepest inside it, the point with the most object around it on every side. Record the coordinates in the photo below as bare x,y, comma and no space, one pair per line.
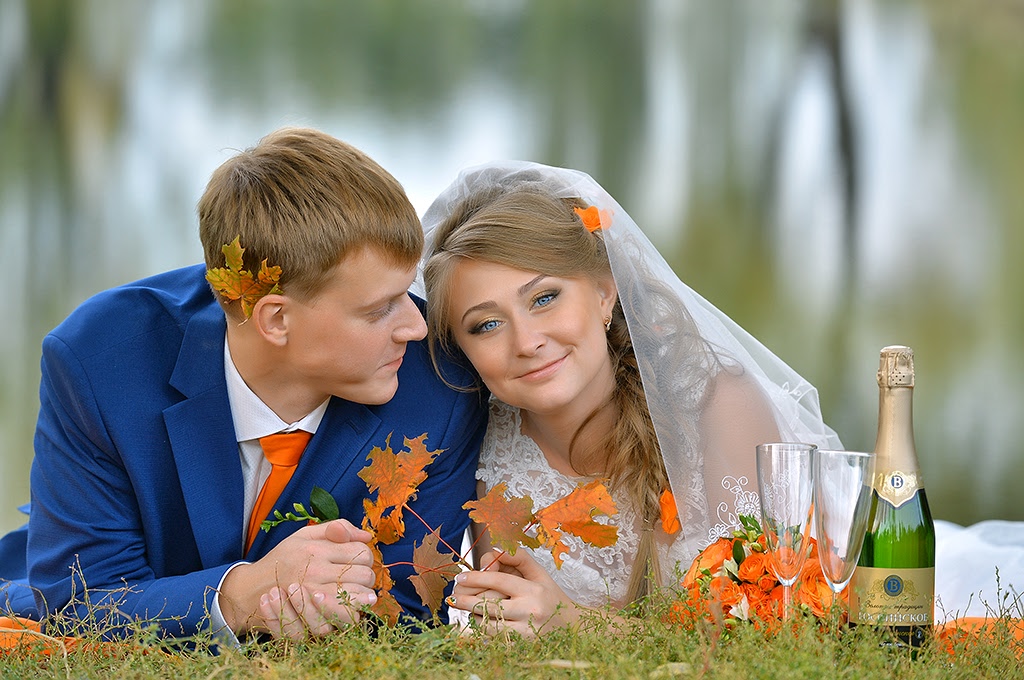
661,312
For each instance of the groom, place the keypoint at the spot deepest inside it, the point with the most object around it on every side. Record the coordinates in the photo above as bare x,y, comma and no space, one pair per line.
152,470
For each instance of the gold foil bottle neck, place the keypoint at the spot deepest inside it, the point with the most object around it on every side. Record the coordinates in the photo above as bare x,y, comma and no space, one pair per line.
896,367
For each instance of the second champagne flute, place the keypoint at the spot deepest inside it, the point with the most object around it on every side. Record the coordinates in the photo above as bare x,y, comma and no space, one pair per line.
785,484
842,499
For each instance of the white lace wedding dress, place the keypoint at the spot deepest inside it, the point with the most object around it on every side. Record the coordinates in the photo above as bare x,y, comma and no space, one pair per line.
590,576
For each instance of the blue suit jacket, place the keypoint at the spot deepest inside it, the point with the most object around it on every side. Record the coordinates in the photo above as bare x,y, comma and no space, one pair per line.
137,484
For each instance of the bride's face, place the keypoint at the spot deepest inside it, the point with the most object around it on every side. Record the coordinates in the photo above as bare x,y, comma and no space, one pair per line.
538,342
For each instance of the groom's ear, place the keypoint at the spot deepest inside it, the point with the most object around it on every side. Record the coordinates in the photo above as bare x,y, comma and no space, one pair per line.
270,318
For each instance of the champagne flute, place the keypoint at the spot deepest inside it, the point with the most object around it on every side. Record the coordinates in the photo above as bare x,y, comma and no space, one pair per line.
842,500
785,484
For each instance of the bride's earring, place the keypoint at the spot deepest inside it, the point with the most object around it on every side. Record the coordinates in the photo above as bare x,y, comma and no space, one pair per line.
607,323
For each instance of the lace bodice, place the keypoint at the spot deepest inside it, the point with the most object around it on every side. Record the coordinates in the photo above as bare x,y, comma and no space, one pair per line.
590,576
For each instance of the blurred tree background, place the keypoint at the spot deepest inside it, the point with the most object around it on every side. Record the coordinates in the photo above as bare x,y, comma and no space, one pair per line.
836,176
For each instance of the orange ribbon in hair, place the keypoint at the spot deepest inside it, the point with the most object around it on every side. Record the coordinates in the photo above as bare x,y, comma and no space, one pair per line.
669,512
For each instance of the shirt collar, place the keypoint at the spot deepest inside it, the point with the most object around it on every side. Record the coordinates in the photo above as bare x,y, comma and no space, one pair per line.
253,418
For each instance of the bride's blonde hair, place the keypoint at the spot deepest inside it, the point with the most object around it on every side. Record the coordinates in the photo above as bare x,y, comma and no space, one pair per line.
525,227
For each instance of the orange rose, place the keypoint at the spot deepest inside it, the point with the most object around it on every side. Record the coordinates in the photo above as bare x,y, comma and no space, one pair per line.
682,613
755,596
688,611
753,568
765,606
768,582
812,589
710,558
726,592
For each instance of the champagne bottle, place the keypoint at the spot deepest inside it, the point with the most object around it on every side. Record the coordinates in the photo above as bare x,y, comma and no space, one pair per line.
894,583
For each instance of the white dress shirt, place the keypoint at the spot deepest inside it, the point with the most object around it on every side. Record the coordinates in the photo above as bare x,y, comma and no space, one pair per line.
253,419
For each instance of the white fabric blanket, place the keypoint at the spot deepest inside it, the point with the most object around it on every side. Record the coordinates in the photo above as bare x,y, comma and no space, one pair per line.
967,561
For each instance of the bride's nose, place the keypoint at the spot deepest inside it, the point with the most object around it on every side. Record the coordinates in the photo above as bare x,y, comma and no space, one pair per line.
528,338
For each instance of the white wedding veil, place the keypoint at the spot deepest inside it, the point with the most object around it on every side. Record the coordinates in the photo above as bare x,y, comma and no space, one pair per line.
659,310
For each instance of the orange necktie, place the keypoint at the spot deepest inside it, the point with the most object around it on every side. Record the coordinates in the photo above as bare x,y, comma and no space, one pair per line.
283,451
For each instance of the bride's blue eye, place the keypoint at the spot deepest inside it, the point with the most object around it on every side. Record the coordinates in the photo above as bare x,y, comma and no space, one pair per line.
545,299
484,327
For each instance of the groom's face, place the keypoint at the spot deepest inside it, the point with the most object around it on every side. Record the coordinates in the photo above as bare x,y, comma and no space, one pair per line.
350,341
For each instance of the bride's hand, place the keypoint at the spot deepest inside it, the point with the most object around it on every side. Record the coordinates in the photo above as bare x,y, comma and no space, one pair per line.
513,593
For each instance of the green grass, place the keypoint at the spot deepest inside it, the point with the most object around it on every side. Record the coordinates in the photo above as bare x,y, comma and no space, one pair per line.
639,648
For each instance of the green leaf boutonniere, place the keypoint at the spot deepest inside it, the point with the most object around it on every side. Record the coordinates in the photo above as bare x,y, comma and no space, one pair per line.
323,508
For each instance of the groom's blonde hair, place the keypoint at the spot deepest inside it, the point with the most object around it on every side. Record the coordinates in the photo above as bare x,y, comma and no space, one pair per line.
304,200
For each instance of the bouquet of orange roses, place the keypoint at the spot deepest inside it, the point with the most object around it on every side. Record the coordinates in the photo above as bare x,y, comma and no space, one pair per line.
732,580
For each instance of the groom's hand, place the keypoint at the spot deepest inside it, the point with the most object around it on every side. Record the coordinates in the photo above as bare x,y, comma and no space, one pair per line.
312,581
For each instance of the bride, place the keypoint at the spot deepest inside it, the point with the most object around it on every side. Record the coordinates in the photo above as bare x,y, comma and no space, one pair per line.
600,364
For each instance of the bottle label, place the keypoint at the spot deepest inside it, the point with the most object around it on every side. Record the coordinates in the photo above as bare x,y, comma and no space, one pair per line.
893,597
897,487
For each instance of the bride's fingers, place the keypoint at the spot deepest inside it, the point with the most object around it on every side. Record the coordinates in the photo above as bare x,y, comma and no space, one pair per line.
479,606
508,585
484,593
523,564
494,562
499,626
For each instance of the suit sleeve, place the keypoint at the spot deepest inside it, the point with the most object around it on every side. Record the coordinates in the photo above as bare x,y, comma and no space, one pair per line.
87,557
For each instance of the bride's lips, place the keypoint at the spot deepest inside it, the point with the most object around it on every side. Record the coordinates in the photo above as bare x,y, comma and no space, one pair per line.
544,371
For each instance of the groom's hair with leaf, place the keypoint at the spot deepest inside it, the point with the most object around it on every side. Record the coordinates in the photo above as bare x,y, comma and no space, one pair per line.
303,200
520,223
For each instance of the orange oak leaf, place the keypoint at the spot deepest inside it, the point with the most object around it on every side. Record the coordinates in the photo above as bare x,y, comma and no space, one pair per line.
574,514
434,571
235,283
395,477
506,519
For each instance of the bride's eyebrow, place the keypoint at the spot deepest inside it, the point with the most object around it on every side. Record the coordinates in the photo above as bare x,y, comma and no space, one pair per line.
530,284
491,304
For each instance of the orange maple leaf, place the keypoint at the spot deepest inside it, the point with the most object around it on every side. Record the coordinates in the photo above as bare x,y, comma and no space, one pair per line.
506,518
386,606
382,581
395,477
434,571
235,283
574,514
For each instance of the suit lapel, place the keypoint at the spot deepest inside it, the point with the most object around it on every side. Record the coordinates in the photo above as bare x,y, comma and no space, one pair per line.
202,438
338,448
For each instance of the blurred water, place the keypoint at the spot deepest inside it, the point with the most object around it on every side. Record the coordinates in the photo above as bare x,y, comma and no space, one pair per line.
836,176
